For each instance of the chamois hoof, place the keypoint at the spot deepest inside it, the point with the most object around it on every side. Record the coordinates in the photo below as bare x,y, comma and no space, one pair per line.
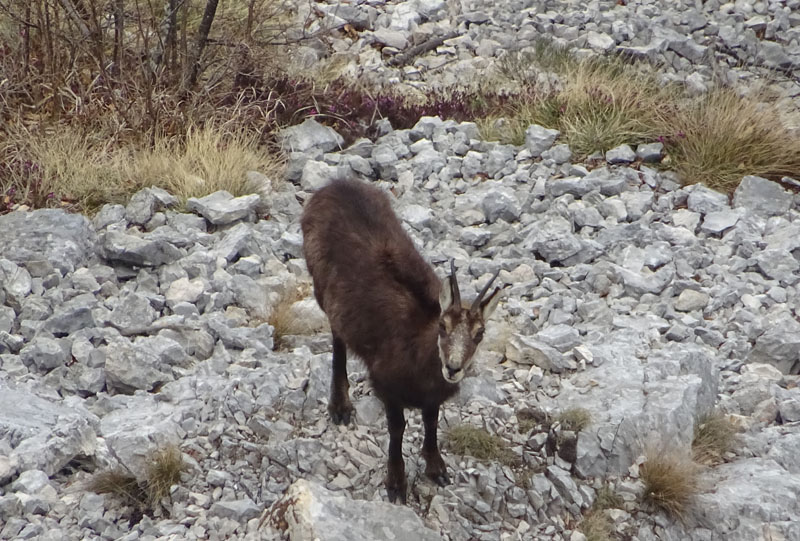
397,494
340,416
441,479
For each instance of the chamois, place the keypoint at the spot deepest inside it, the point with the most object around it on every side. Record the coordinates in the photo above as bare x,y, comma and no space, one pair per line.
386,305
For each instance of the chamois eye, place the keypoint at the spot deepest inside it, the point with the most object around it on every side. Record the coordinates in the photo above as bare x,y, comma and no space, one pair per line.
478,335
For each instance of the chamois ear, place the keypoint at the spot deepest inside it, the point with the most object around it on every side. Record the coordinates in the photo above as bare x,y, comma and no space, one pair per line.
445,296
488,305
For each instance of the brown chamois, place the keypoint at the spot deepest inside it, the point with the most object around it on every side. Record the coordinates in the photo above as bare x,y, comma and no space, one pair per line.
387,306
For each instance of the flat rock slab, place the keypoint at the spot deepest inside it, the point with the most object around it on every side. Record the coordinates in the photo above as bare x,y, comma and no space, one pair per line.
44,434
221,208
634,400
310,511
64,240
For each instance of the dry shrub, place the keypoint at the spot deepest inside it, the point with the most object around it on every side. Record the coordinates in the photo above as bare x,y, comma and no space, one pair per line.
68,166
670,480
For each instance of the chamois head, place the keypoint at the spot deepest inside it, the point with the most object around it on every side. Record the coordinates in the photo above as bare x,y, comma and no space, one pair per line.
461,328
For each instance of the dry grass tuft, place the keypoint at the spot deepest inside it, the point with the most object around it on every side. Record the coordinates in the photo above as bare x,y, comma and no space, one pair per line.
720,137
596,526
163,470
670,481
713,437
282,318
574,419
65,166
477,442
601,102
164,467
607,499
121,484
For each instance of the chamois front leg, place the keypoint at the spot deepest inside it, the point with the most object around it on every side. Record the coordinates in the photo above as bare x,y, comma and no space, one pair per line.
434,463
339,405
396,476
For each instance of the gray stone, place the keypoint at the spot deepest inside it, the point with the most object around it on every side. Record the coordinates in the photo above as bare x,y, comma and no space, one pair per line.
563,482
138,426
417,216
762,197
369,410
16,280
553,239
313,512
317,174
572,185
393,38
309,135
31,482
779,343
184,290
635,400
558,153
650,152
130,367
620,155
116,246
690,300
778,265
64,240
600,41
529,351
719,221
221,208
133,311
73,315
705,200
109,215
44,434
500,203
538,139
645,281
748,495
239,510
561,337
43,353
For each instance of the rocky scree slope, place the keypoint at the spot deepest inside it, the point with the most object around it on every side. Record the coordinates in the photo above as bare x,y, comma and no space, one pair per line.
425,43
644,302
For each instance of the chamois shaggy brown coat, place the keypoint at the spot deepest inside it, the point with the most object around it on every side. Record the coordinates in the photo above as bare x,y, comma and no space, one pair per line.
380,296
386,305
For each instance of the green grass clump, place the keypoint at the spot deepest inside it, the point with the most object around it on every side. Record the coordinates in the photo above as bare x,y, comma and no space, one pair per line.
670,480
477,442
713,437
574,419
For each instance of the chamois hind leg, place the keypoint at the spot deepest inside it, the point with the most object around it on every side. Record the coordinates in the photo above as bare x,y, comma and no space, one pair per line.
339,405
434,463
396,483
